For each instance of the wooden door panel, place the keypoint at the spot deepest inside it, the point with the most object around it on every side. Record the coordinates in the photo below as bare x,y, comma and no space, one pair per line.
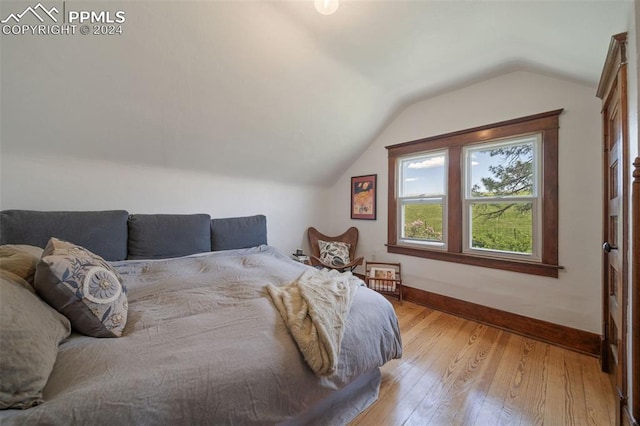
612,91
613,180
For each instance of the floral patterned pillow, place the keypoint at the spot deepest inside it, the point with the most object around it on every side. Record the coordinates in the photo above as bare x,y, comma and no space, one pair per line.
83,287
334,253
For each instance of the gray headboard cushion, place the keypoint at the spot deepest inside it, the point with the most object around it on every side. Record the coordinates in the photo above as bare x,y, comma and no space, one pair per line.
238,232
116,235
160,236
102,232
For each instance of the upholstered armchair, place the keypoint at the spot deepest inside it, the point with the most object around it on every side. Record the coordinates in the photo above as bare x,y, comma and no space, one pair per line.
334,252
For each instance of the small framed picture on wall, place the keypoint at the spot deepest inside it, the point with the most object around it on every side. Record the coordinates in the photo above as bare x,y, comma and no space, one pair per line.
363,197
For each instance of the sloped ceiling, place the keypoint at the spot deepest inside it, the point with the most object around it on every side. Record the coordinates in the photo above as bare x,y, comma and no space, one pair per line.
274,90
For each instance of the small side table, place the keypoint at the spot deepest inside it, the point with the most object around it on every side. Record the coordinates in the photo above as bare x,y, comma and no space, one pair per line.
302,258
384,277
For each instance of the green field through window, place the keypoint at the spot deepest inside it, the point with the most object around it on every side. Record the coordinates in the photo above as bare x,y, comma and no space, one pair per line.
502,226
509,231
423,222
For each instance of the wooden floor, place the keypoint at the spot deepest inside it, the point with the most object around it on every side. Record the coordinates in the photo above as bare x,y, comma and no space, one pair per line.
459,372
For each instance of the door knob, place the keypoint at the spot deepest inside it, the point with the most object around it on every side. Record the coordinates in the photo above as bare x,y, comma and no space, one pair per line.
608,247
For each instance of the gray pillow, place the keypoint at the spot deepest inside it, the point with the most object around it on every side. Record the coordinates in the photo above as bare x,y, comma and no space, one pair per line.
83,287
30,332
161,236
238,232
102,232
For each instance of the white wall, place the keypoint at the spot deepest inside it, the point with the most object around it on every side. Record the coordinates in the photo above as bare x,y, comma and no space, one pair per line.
158,119
574,298
50,183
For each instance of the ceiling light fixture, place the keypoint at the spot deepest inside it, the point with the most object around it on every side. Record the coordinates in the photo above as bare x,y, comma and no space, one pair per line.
326,7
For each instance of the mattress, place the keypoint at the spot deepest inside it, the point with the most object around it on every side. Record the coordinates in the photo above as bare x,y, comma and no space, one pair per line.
204,344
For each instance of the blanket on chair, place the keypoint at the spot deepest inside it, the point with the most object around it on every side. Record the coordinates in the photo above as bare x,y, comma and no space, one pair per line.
315,308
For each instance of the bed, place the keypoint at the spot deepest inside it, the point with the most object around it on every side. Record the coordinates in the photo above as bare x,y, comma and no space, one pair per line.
203,342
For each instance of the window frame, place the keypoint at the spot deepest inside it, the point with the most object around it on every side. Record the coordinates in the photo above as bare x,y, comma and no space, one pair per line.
547,125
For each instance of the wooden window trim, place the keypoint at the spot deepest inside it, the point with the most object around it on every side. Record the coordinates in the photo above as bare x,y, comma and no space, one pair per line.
546,123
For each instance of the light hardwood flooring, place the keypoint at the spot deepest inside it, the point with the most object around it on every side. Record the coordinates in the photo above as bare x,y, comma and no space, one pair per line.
459,372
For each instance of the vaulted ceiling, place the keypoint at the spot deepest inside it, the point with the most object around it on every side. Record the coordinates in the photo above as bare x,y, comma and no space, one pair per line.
274,90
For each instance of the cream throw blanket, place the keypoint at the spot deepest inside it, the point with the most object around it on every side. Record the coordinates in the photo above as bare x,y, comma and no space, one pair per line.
315,310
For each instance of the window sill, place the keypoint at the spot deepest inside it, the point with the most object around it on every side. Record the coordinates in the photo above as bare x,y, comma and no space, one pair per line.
533,268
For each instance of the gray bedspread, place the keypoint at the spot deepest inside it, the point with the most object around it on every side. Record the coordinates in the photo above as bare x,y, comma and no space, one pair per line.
204,344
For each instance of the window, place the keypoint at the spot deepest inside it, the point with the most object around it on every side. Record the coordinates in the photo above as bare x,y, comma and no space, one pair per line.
501,204
422,199
485,196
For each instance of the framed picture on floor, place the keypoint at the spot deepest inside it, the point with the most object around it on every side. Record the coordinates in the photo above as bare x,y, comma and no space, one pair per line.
387,275
363,197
